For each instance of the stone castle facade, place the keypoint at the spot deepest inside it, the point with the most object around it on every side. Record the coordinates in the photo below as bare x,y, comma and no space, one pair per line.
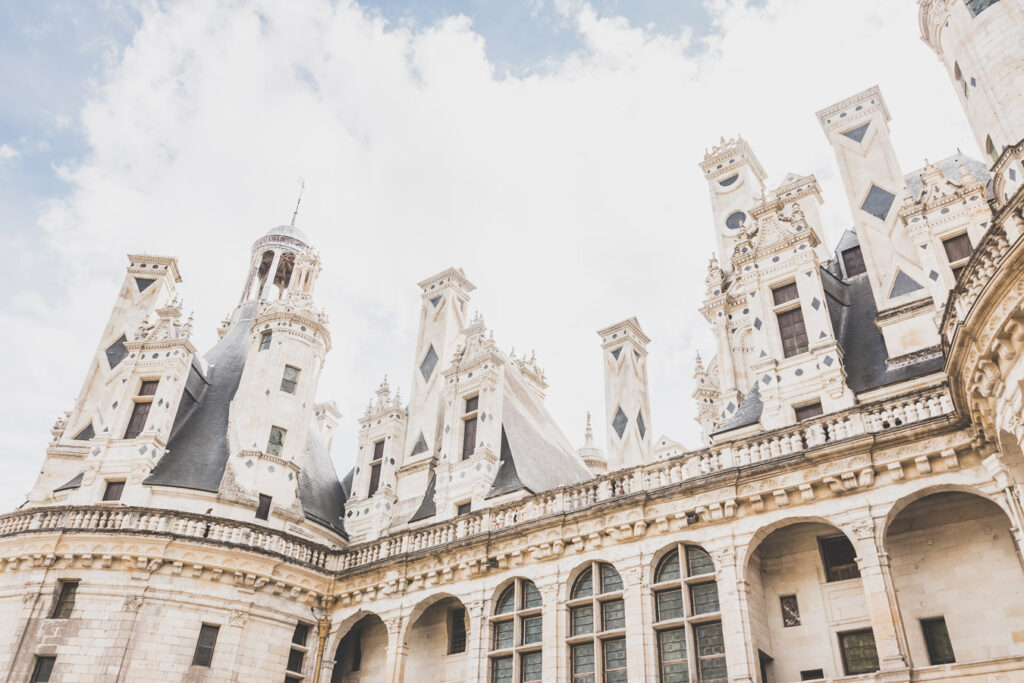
855,512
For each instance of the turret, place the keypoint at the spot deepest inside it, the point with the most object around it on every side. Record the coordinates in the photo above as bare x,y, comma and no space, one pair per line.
706,396
590,454
736,180
627,399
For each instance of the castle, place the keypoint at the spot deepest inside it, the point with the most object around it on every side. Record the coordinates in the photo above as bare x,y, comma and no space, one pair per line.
855,512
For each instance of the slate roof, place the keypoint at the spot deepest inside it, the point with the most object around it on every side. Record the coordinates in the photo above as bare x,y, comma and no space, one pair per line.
72,483
747,414
950,167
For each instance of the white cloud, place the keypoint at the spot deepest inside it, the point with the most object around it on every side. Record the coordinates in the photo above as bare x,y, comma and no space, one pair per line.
572,198
7,153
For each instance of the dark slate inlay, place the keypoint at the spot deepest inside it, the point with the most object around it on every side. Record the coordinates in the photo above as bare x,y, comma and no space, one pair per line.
116,352
616,352
763,353
828,361
933,275
429,363
731,407
435,301
903,284
757,323
857,134
767,379
86,433
821,335
620,422
815,304
143,282
735,220
878,202
421,445
730,180
799,371
640,425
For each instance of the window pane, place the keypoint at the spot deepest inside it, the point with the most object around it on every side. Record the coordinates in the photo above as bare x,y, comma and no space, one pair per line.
205,644
265,341
584,586
374,479
668,569
276,441
43,669
839,558
457,639
698,561
615,660
301,634
148,388
582,619
672,656
263,509
669,604
936,637
958,247
472,404
501,670
711,653
807,412
790,610
468,437
531,596
859,655
704,598
507,601
503,634
785,293
610,579
583,663
378,450
137,422
531,664
613,615
853,259
531,630
290,379
65,600
113,491
792,332
295,658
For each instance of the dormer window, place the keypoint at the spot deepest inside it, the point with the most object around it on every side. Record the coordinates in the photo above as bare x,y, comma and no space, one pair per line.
853,261
265,340
806,412
791,320
469,427
958,252
375,467
140,408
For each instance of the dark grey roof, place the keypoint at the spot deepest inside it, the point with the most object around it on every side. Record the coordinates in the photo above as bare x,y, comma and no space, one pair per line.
427,506
950,167
197,450
288,231
321,494
747,414
507,479
73,483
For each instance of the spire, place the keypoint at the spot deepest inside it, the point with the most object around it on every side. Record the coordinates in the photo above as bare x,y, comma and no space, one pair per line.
699,369
588,438
295,213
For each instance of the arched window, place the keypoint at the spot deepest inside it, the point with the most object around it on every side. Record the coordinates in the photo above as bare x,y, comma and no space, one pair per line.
687,618
516,634
597,626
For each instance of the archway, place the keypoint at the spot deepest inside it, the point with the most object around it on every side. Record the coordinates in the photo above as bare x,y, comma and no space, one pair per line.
958,577
361,655
437,640
808,614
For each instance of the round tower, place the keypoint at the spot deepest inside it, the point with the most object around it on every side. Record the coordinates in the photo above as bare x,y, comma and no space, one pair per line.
981,43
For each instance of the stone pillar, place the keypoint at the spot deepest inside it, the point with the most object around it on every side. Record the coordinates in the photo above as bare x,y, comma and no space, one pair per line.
271,274
638,628
394,667
554,652
732,599
476,641
886,621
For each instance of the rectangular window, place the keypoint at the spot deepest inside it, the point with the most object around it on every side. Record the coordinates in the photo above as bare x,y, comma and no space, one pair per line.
672,656
290,379
958,248
43,669
785,294
812,675
704,598
205,644
463,509
469,427
853,261
669,604
113,490
790,610
530,665
501,670
265,341
137,422
531,629
457,630
839,558
295,659
583,663
936,637
503,637
263,509
148,388
859,654
275,444
613,615
67,591
808,411
711,652
614,660
375,466
582,619
792,332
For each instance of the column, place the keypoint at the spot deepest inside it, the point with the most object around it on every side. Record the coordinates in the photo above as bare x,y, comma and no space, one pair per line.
554,652
638,628
476,641
394,667
271,274
732,600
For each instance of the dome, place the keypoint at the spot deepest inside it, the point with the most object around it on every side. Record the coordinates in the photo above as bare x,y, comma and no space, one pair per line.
288,231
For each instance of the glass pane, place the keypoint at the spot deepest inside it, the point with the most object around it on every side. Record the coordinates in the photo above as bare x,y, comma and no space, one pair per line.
936,636
672,656
859,654
669,604
615,660
584,587
301,634
790,610
501,670
713,670
582,619
668,568
613,615
698,562
531,629
503,635
610,579
507,601
709,639
531,596
583,663
530,664
295,658
704,598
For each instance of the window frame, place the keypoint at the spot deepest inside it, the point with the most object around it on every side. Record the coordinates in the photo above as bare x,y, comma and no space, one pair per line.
823,543
800,411
469,425
455,616
288,386
263,506
112,487
841,636
64,599
516,617
690,619
37,668
933,658
266,337
142,403
376,467
279,444
956,266
298,647
596,601
785,309
212,646
858,262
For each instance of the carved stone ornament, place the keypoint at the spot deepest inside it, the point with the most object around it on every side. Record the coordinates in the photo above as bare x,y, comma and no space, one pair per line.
132,603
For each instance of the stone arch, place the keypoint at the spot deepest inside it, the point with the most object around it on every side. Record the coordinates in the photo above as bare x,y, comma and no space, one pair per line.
435,636
957,575
370,641
743,552
422,606
264,262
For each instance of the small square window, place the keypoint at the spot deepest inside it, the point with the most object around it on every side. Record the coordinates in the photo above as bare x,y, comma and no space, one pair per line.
531,629
464,509
936,638
859,654
790,610
785,294
148,388
808,411
65,604
43,669
113,491
472,404
263,509
853,261
265,340
839,558
290,379
204,646
613,615
276,442
812,675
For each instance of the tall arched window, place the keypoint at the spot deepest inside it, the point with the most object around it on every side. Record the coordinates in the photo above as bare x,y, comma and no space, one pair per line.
597,626
687,618
516,634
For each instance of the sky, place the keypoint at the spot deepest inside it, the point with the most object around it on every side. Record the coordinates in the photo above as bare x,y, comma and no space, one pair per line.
550,148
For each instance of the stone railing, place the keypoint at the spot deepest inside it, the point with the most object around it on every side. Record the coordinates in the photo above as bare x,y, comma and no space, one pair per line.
869,419
978,272
167,523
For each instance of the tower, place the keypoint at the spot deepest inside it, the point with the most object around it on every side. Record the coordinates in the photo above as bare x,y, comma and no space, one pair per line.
981,44
736,180
626,397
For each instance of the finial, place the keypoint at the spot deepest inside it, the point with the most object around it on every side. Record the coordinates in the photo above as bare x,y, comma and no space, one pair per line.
302,187
589,434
